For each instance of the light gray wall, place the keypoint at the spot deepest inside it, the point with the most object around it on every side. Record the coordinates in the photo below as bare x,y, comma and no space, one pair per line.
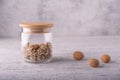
71,17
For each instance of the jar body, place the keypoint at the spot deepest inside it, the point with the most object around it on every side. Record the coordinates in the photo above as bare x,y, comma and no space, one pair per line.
37,47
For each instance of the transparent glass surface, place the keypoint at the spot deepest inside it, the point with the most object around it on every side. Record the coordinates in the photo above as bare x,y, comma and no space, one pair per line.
37,47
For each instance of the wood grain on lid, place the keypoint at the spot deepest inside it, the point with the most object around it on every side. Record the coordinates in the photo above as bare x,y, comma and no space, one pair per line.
36,25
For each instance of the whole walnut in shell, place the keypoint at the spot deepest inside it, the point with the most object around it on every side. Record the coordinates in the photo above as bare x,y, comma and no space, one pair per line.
105,58
93,63
77,55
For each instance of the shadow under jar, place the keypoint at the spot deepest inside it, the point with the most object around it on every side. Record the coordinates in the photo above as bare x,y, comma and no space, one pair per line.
36,42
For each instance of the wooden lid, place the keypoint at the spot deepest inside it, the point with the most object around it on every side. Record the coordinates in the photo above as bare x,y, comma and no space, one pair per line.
36,25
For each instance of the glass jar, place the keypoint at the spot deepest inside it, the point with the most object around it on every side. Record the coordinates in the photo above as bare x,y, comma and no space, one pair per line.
36,40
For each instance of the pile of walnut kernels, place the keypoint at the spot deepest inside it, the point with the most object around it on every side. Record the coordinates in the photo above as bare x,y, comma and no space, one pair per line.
38,52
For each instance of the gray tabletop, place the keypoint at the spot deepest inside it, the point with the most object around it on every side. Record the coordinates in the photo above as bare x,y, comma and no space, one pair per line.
62,66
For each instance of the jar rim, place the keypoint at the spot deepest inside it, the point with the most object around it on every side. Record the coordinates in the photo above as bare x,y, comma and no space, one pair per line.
36,25
36,30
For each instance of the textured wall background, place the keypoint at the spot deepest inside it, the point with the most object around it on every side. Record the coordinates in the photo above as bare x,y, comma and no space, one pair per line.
71,17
